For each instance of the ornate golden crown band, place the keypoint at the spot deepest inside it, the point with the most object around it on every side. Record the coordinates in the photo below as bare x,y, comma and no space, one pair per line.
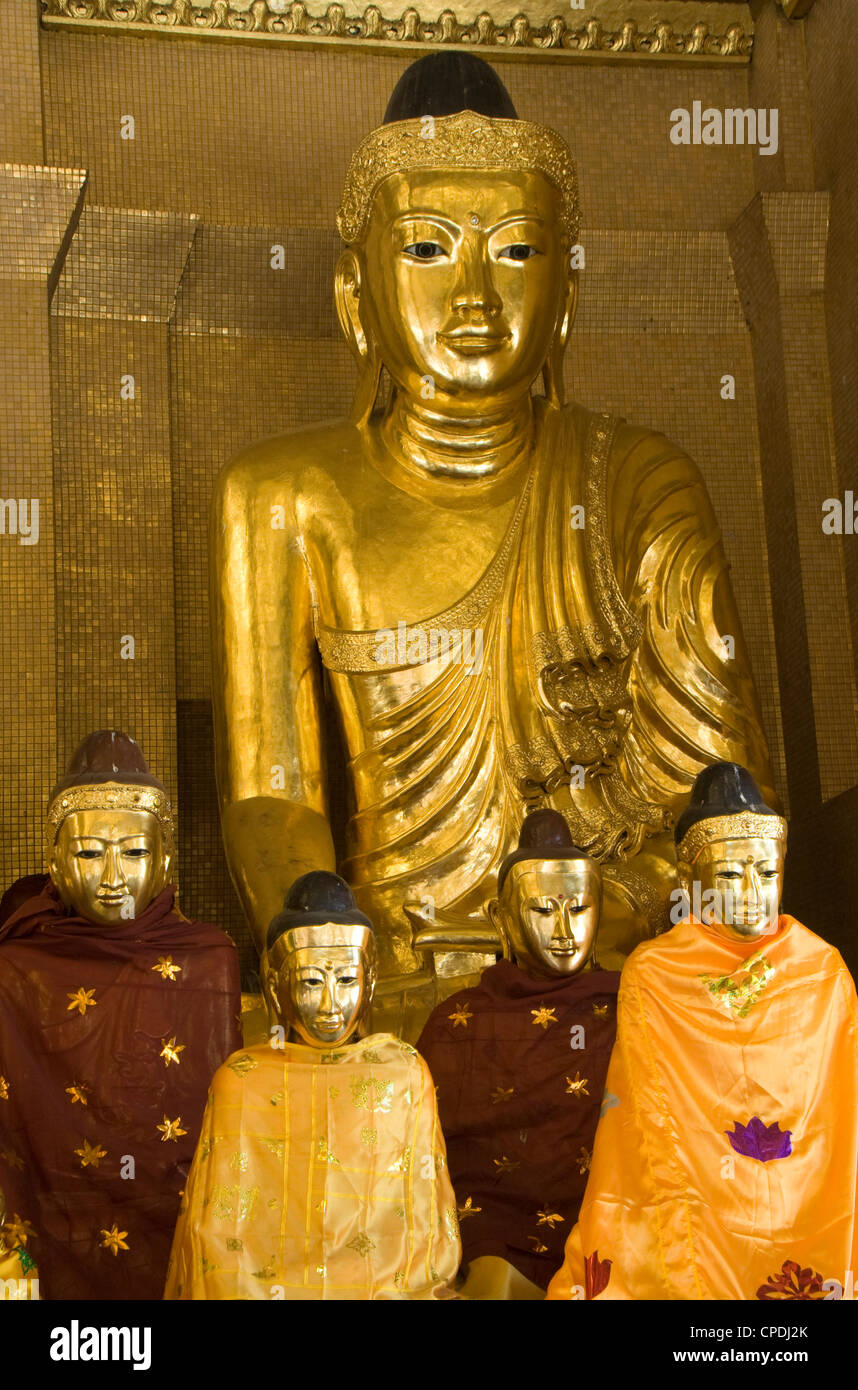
463,141
747,825
99,796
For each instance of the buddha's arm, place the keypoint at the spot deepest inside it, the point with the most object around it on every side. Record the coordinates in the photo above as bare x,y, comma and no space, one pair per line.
266,688
694,698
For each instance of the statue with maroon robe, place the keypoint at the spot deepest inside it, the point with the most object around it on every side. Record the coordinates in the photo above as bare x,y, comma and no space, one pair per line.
115,1012
519,1063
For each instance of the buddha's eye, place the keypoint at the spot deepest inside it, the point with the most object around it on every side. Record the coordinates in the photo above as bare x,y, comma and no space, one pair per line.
347,980
577,907
87,854
768,873
424,250
313,981
519,251
138,853
535,906
729,873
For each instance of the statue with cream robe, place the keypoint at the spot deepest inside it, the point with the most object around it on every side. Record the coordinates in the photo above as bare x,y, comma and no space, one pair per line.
321,1171
115,1010
726,1162
519,1063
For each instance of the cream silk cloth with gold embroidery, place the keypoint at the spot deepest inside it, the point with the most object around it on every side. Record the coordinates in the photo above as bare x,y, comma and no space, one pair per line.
319,1175
725,1164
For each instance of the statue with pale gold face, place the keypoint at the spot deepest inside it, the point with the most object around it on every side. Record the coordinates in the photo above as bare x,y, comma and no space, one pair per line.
115,1010
328,1130
519,1062
724,1162
517,603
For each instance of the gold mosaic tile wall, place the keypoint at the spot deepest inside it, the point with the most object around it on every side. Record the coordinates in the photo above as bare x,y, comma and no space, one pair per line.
238,147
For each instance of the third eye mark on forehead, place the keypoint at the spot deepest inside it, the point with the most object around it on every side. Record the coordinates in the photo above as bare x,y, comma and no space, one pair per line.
436,218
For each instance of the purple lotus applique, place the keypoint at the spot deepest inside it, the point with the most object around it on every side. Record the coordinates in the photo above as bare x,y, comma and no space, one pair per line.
758,1140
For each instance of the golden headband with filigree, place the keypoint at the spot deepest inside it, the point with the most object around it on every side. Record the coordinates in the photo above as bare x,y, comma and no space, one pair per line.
745,825
108,796
463,141
335,934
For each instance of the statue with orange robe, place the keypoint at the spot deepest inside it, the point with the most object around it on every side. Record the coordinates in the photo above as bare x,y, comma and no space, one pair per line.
321,1171
726,1162
115,1011
519,1063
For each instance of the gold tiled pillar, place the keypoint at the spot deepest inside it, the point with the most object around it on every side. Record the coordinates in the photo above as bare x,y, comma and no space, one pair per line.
114,551
38,207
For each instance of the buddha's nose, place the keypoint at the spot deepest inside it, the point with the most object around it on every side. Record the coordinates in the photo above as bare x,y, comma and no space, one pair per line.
113,877
563,929
475,292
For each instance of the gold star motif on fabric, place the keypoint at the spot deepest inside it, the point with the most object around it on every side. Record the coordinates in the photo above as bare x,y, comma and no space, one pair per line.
506,1165
361,1244
584,1160
18,1230
171,1129
578,1086
460,1016
500,1094
543,1016
90,1155
243,1064
600,1011
114,1239
170,1051
549,1218
78,1093
539,1246
468,1209
4,1088
166,969
81,1000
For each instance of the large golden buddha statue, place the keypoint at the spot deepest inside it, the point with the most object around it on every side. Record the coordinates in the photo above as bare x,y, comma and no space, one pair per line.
510,602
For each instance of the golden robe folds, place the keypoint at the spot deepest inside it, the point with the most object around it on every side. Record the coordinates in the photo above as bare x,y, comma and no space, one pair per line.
726,1162
319,1175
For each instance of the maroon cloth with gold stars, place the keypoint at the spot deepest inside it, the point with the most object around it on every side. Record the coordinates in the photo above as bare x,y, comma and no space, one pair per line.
520,1065
109,1037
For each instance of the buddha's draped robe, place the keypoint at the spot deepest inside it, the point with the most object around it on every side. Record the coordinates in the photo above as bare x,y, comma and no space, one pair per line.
519,1064
603,687
319,1175
85,1014
725,1162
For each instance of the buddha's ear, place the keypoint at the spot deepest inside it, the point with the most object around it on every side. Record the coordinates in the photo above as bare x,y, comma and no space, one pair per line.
552,371
495,916
347,290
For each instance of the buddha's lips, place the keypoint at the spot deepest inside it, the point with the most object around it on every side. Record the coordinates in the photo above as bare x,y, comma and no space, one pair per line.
473,341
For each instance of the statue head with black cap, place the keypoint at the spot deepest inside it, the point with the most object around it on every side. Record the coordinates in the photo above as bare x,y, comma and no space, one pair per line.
320,972
730,853
458,219
109,831
549,899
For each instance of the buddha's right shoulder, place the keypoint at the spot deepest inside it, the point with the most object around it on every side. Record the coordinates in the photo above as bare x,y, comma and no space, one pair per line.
300,460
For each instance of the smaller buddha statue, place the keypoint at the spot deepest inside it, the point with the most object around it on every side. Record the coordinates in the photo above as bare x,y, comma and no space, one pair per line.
16,1262
115,1011
724,1165
520,1063
321,1170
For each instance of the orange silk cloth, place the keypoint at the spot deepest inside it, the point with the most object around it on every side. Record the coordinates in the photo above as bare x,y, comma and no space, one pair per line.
714,1040
319,1175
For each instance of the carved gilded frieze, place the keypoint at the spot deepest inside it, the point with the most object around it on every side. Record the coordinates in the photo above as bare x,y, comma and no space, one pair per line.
708,32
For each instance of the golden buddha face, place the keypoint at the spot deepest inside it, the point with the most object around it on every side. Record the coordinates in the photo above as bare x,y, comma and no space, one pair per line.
735,886
549,912
108,865
321,988
461,283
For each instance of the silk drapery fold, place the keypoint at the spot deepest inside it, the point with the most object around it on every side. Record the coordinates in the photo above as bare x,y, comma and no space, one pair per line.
319,1176
726,1161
